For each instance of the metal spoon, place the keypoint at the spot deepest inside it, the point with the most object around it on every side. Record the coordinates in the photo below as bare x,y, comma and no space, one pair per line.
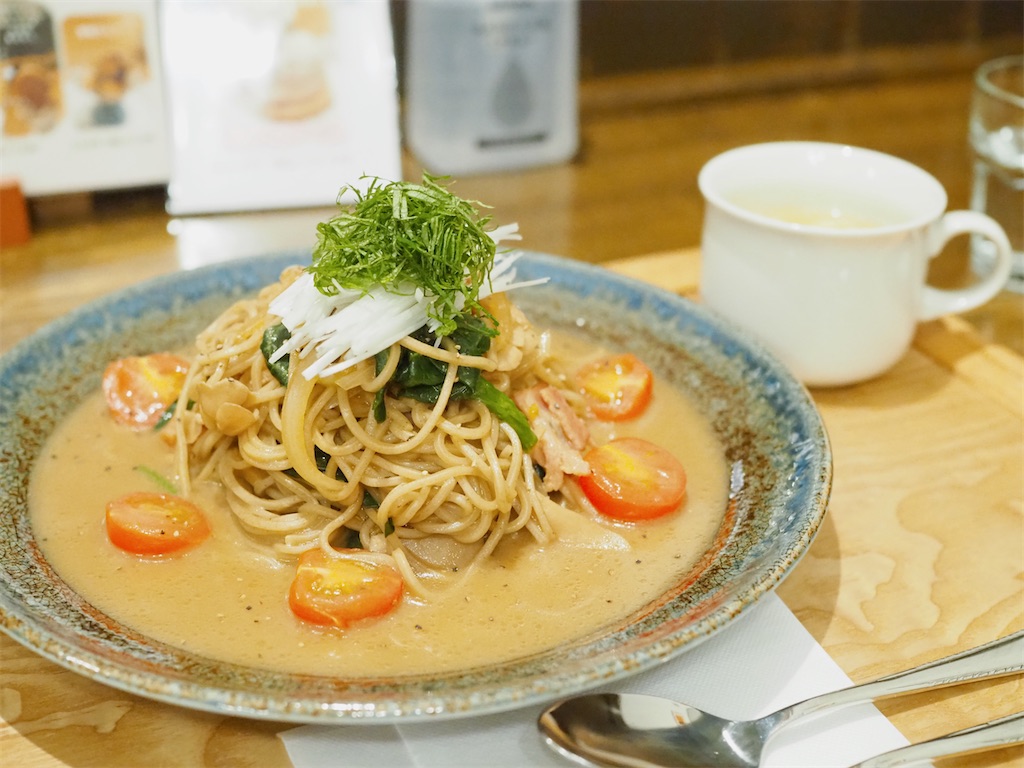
999,733
637,731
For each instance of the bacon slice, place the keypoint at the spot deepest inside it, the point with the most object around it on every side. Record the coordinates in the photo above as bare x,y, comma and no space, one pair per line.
573,428
561,434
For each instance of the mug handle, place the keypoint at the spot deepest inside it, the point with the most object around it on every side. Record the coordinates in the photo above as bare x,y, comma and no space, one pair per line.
937,302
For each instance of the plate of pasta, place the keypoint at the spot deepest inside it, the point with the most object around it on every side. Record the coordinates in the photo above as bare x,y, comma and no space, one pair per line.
342,490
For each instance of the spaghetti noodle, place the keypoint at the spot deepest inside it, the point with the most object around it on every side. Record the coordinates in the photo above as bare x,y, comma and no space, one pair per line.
328,459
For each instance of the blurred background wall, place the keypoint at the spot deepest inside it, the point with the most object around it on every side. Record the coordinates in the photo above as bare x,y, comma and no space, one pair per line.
818,40
621,36
691,57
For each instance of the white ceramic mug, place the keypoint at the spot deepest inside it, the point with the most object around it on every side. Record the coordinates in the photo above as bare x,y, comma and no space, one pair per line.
822,251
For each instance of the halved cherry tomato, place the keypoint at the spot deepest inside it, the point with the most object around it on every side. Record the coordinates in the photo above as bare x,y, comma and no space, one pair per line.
631,479
617,387
336,591
139,389
155,523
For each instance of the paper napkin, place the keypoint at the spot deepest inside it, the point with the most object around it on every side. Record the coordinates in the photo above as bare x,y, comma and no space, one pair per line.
762,662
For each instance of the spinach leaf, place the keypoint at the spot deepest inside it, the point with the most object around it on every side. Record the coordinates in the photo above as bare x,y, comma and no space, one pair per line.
380,411
416,370
505,408
429,393
322,459
273,338
472,336
421,378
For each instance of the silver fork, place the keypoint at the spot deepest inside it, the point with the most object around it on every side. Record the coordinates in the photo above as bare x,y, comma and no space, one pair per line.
1003,732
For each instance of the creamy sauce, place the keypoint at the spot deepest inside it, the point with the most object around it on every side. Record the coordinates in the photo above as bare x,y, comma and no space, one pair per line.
226,599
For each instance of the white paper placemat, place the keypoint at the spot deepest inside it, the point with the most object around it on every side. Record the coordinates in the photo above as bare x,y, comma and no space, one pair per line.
762,662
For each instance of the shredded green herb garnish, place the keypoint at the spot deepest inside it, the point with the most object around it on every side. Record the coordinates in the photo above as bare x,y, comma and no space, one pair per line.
404,236
164,483
166,416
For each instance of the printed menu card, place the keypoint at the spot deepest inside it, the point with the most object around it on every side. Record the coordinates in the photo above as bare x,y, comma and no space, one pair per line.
81,101
277,104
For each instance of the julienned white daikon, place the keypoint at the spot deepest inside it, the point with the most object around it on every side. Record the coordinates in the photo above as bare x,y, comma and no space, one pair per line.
406,256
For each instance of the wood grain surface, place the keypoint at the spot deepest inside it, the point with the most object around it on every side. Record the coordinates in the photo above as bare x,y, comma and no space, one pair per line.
922,551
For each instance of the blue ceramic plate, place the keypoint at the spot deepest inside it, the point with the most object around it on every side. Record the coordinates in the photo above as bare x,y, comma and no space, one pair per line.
773,437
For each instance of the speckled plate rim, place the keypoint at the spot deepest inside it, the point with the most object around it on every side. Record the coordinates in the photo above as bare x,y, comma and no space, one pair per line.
774,438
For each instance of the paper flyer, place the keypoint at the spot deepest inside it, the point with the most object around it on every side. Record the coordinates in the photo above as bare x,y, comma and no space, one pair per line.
81,98
277,104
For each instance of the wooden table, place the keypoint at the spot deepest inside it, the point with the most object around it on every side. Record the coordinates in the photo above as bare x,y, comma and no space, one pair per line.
921,554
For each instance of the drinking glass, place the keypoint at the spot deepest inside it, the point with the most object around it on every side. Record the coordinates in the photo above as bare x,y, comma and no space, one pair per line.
997,144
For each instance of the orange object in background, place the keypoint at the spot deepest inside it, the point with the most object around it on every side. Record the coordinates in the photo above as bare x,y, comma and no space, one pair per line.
14,222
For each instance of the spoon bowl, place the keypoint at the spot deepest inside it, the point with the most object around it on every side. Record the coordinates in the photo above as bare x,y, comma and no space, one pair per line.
639,731
627,729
